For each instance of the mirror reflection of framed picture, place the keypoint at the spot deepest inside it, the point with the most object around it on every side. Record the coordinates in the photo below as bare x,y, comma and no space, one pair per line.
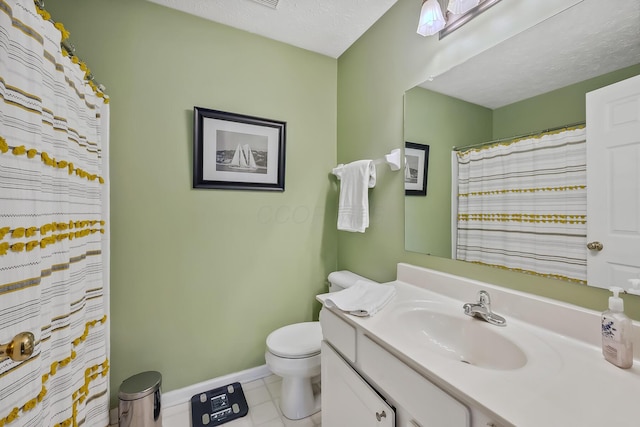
416,166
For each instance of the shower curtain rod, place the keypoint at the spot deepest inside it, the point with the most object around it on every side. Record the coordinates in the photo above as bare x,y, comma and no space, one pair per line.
495,141
70,48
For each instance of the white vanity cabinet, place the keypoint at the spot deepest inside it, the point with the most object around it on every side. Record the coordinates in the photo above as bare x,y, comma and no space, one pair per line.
361,379
348,399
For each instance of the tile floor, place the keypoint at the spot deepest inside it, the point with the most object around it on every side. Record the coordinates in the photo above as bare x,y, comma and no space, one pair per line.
262,397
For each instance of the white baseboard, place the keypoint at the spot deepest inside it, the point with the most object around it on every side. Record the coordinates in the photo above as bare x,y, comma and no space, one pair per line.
183,395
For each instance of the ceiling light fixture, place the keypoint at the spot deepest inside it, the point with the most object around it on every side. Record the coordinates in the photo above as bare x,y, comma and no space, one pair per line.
458,13
431,18
458,7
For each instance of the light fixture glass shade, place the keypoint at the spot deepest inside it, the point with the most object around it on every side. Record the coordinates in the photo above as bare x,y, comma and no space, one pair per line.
431,19
458,7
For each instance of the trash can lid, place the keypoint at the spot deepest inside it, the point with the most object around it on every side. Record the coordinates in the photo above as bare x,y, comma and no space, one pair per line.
140,385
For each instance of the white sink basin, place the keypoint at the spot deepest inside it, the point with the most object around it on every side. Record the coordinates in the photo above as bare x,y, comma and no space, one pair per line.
458,337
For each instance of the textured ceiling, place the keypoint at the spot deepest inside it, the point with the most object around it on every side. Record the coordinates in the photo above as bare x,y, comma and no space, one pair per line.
589,39
328,27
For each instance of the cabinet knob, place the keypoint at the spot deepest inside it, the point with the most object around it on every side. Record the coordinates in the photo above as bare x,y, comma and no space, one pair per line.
381,415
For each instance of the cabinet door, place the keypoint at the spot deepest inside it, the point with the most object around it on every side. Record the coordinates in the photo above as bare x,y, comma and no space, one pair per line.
347,400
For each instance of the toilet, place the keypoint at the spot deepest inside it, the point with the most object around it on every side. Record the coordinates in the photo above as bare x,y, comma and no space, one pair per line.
293,353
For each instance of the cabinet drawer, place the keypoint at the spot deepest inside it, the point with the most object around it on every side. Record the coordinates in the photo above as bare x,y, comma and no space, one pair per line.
339,333
427,404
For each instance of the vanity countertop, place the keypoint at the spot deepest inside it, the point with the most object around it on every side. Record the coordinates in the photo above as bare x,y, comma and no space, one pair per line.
564,381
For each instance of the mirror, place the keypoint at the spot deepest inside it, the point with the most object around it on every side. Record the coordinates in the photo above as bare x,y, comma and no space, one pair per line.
534,81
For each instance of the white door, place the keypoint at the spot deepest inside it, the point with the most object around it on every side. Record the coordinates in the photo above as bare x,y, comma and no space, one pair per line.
347,400
613,184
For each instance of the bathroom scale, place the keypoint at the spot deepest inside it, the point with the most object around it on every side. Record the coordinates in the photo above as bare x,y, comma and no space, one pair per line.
218,406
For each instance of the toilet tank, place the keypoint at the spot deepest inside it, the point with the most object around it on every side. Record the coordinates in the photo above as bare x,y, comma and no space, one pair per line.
339,280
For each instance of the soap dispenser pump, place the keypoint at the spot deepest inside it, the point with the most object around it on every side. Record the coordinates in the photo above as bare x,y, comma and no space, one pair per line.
617,346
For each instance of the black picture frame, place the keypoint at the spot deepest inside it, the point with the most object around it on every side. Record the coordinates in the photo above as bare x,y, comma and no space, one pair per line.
237,152
416,158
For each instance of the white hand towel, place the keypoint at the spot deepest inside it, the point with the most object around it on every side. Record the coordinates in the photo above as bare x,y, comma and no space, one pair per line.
353,207
362,299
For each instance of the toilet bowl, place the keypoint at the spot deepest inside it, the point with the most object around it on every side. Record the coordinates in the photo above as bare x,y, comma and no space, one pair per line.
293,353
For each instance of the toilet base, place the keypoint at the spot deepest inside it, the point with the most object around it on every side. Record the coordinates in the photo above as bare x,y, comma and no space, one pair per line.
297,399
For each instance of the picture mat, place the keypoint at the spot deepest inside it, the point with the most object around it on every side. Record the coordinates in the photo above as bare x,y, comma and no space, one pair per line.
210,147
420,155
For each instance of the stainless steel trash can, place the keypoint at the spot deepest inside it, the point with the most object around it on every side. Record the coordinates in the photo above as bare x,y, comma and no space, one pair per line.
139,401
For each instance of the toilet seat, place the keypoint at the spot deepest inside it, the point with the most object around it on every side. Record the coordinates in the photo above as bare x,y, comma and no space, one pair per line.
296,341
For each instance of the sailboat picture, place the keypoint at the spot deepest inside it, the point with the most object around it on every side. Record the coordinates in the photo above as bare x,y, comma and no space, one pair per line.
237,152
411,169
416,168
240,152
243,158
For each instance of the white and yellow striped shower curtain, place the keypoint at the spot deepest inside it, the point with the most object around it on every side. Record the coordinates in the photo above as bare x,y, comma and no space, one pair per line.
53,213
522,204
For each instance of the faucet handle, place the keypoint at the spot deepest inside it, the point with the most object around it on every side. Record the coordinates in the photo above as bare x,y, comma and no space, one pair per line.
484,298
467,309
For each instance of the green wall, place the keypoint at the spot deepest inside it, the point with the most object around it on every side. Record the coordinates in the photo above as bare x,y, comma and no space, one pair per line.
372,78
552,109
200,277
441,122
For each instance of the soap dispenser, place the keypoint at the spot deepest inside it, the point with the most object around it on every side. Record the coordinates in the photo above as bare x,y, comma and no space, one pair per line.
617,346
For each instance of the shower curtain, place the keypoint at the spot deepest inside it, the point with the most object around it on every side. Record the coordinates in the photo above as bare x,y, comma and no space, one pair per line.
521,205
53,229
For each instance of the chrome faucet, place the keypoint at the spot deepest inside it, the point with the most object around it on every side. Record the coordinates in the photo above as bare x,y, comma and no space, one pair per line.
482,309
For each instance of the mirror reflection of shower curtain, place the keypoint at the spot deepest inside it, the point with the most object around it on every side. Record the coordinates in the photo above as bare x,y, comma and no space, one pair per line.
454,205
521,205
53,231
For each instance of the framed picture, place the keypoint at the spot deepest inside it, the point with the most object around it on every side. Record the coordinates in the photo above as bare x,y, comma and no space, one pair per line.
416,157
237,152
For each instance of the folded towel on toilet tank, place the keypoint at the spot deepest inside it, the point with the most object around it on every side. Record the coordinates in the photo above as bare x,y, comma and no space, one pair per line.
362,299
